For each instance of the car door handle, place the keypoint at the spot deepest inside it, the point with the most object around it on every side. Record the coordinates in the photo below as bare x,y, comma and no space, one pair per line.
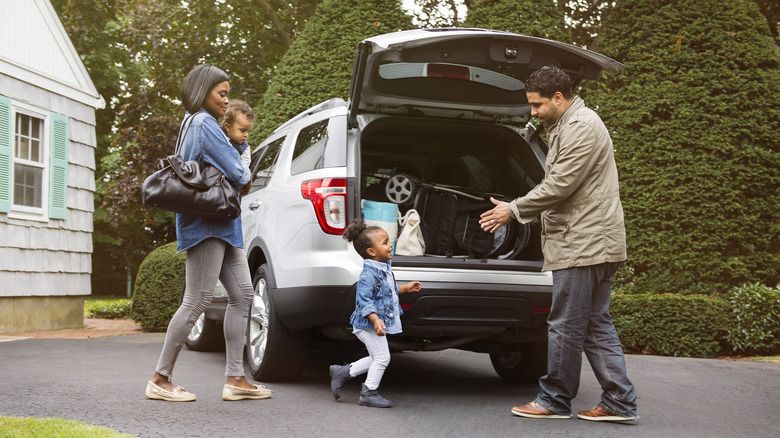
254,205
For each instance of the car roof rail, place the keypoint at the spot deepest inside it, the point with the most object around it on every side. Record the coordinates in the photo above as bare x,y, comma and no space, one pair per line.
328,104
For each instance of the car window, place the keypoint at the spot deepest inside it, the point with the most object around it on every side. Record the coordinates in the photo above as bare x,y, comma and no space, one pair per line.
320,145
263,163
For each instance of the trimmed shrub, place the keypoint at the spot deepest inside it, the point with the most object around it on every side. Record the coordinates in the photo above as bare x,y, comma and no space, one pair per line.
318,64
108,309
757,311
537,18
694,120
672,325
157,288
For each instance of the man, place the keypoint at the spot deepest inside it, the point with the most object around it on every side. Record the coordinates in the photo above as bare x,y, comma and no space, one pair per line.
583,241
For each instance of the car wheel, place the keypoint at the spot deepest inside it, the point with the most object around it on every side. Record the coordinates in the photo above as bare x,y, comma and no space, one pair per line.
274,352
527,364
206,334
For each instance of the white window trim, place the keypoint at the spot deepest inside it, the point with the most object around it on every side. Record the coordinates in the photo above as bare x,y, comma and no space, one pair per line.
20,211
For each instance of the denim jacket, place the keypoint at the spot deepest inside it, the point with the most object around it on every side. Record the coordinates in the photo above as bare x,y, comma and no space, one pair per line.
204,141
377,292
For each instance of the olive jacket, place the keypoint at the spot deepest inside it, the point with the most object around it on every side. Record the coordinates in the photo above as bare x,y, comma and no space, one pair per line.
579,198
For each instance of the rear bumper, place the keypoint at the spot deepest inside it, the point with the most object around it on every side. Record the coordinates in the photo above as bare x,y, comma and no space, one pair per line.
439,304
474,305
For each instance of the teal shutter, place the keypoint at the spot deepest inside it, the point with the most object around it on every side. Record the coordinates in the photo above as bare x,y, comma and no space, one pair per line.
6,154
58,171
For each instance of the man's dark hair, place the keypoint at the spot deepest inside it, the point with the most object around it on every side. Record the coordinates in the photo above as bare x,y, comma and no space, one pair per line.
547,81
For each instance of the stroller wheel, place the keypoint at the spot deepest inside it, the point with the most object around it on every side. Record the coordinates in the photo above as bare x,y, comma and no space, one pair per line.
400,188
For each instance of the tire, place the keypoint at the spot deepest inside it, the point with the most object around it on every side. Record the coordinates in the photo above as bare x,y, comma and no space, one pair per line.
527,364
274,352
206,334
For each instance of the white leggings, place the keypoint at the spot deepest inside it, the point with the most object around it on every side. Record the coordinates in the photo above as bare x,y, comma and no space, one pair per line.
377,360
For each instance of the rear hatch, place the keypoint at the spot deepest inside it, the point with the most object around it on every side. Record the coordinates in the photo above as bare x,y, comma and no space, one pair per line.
446,111
459,73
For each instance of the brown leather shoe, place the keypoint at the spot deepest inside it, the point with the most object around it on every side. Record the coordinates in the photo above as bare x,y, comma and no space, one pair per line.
600,414
535,410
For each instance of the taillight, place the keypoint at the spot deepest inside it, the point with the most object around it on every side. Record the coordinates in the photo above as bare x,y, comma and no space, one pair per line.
329,196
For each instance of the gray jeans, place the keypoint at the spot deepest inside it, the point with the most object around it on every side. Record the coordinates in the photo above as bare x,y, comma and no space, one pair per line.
208,261
579,320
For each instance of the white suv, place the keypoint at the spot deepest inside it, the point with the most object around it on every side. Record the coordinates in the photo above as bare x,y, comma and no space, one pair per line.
437,121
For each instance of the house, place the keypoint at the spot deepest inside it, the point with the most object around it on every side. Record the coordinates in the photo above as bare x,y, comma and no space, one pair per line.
47,166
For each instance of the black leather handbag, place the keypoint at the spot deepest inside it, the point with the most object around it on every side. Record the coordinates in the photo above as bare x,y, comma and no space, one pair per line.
191,187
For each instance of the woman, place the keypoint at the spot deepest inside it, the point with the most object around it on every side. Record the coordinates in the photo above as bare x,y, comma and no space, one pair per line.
214,247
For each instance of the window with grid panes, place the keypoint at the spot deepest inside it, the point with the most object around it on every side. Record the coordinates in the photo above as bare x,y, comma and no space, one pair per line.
28,161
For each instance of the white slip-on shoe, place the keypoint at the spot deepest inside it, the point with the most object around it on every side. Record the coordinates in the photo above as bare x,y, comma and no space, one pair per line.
230,392
178,394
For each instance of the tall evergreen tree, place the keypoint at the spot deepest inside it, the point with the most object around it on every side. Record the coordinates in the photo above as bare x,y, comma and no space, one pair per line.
539,18
319,62
695,122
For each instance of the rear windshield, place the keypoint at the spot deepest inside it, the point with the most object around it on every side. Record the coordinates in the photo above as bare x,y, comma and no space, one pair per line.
449,82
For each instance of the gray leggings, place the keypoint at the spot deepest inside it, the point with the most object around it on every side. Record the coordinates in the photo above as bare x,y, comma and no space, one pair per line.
207,261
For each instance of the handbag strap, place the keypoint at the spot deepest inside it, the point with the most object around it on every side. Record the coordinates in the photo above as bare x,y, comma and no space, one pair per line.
180,137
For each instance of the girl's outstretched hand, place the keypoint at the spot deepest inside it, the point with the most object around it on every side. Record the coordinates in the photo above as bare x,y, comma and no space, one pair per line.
412,286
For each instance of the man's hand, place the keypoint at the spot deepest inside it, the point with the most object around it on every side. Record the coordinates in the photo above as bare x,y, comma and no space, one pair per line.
494,219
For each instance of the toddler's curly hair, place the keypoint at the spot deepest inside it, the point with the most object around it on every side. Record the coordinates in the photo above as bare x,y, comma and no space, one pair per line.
359,234
236,107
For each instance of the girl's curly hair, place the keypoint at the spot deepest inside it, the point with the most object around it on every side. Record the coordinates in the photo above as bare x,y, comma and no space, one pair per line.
359,233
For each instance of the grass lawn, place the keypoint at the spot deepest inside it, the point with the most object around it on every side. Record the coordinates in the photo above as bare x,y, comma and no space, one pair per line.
766,358
24,427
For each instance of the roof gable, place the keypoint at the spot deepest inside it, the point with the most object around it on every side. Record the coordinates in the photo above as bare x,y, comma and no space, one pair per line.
35,48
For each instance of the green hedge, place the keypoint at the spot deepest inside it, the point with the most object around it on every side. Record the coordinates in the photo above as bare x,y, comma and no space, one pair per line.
109,309
672,325
157,288
748,322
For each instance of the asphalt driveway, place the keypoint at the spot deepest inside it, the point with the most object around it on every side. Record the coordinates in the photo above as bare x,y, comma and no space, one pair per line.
438,394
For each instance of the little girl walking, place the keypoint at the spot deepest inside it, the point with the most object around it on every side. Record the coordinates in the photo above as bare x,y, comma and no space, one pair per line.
377,312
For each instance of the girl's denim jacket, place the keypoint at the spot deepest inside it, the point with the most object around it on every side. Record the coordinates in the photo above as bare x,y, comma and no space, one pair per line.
204,141
375,295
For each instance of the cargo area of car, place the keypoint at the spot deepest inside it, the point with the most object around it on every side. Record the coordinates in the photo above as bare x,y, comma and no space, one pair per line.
447,170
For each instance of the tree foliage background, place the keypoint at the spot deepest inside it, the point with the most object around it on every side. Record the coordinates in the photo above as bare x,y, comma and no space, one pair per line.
693,115
137,53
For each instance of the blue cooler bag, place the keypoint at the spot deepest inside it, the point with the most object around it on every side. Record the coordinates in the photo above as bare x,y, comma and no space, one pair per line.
383,215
